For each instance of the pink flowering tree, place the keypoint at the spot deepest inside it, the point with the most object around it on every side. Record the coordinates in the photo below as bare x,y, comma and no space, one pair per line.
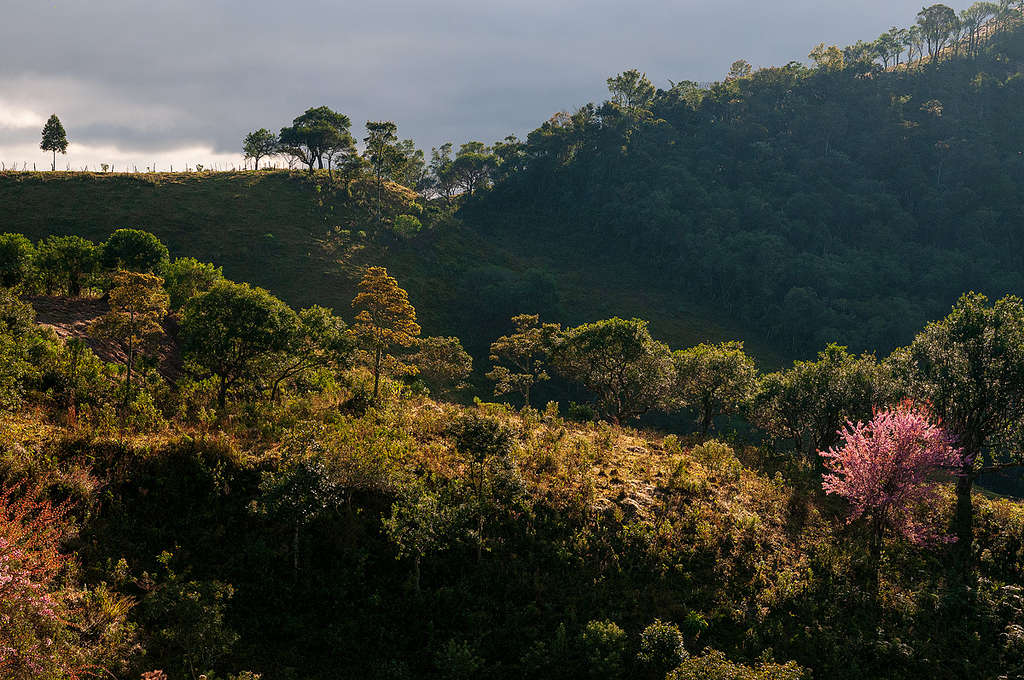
886,469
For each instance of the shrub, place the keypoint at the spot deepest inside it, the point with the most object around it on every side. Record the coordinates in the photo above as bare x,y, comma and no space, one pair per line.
718,458
16,256
604,646
661,648
713,665
406,226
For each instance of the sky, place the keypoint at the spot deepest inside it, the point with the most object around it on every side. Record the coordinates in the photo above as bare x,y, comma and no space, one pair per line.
180,82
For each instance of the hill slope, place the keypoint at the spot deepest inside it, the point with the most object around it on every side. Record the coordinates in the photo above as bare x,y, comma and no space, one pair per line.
300,238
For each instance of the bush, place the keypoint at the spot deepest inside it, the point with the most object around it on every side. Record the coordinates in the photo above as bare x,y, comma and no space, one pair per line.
604,646
718,458
406,226
16,256
714,666
661,648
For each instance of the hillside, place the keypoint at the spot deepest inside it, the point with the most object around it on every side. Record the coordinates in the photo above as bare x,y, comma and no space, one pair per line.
287,233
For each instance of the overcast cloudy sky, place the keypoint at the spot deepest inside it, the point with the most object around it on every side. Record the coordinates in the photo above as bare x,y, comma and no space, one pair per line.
178,81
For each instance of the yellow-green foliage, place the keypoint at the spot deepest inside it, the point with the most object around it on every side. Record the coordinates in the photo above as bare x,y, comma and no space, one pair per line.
713,665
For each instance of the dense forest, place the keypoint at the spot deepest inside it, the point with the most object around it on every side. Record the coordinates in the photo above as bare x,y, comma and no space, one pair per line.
234,445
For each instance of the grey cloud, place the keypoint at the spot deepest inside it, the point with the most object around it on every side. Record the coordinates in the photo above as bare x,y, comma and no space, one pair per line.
159,75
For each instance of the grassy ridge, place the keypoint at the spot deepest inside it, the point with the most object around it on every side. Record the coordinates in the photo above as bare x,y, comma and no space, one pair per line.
277,230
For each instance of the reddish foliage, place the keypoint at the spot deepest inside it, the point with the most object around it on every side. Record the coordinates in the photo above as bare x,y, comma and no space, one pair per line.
30,563
886,470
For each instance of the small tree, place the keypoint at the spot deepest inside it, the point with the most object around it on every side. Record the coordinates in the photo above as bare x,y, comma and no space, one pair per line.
628,371
54,138
713,380
442,363
16,257
385,319
138,304
231,329
885,469
67,258
259,144
321,340
969,367
520,358
134,250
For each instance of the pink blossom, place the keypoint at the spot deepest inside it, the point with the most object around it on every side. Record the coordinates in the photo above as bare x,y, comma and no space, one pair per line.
887,470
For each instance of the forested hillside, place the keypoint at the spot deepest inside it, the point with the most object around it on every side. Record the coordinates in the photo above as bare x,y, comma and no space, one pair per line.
561,434
843,202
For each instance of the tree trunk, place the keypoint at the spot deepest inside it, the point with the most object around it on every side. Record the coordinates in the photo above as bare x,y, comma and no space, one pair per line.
222,393
875,553
295,555
128,374
53,166
416,574
963,527
376,374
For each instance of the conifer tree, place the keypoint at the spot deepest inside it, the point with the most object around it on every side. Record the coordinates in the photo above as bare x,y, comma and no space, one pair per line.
54,138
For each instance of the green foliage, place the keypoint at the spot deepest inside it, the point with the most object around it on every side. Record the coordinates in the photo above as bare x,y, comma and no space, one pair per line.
661,649
713,665
192,634
16,258
442,363
713,380
406,226
808,403
66,261
228,330
628,372
54,138
604,647
134,250
186,277
259,144
520,358
318,135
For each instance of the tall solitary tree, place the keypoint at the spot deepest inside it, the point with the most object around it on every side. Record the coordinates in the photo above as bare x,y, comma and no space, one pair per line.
259,144
386,319
54,138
